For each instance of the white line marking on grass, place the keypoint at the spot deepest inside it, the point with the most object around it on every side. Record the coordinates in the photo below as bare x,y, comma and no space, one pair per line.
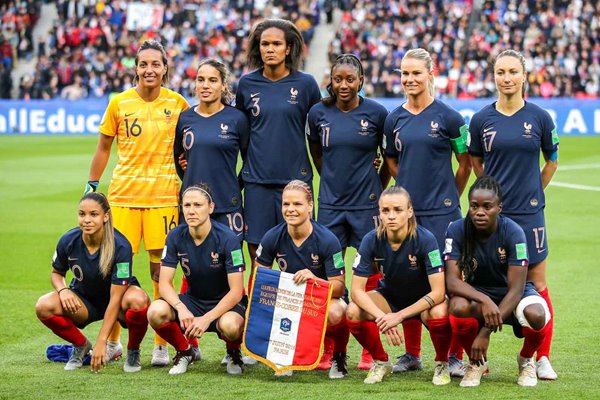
575,186
577,167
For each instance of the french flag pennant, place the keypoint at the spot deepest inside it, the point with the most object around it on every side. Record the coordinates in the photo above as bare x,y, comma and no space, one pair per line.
285,322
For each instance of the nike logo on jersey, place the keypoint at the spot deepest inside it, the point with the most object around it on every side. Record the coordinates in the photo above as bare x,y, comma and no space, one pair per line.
254,94
487,129
181,254
129,114
280,254
324,125
396,131
73,258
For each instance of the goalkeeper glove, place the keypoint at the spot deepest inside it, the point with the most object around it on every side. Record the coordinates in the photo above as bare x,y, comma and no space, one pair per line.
91,186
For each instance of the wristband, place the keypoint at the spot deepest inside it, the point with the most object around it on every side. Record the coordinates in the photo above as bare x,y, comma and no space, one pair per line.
91,186
58,291
176,304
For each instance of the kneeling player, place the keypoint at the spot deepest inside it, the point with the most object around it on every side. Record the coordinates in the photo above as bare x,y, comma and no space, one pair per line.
490,251
103,287
211,257
412,286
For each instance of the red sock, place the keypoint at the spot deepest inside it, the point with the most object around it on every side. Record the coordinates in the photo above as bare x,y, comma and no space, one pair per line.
465,329
193,342
235,344
172,334
412,336
184,285
373,282
456,348
544,349
340,335
533,340
441,335
137,324
64,328
367,334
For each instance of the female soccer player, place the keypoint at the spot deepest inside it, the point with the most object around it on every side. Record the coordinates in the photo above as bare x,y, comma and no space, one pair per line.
103,287
309,251
345,134
490,251
413,286
212,135
420,137
210,256
506,139
276,98
144,189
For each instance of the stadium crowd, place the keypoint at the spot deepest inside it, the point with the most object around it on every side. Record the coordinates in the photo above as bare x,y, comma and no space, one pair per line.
92,50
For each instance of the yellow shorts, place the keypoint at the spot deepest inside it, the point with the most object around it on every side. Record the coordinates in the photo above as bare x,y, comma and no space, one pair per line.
151,224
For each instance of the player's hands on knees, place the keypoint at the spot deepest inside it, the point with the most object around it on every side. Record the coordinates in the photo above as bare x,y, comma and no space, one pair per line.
394,337
491,316
182,161
185,317
479,349
388,321
197,328
69,301
303,275
98,361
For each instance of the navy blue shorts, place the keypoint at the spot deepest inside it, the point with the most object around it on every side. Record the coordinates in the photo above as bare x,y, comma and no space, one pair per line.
438,224
200,307
392,299
262,209
233,219
534,226
498,293
97,308
349,226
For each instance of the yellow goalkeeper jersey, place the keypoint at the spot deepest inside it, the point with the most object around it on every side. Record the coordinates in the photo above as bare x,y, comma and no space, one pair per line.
145,173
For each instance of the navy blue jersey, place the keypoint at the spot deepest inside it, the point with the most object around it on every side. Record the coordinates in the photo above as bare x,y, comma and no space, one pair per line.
423,144
349,141
510,147
507,246
212,145
205,266
321,252
72,254
406,270
277,111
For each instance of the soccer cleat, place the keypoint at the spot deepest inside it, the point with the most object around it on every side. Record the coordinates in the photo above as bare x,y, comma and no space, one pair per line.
456,366
133,363
366,361
544,369
114,351
197,353
378,371
339,366
407,362
77,355
235,365
287,372
249,360
527,371
225,360
441,374
181,361
325,362
473,375
160,356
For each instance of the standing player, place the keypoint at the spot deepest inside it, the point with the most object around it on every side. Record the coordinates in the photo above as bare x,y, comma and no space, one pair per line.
310,251
276,98
210,255
506,139
211,136
412,287
490,251
144,188
420,137
103,287
345,133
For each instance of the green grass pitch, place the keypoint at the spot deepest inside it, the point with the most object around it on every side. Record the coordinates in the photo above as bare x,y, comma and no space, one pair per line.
41,180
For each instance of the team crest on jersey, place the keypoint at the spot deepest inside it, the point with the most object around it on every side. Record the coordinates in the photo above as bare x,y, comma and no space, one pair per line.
315,260
533,202
364,127
224,131
448,202
214,256
167,112
502,254
527,130
293,96
434,129
412,259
